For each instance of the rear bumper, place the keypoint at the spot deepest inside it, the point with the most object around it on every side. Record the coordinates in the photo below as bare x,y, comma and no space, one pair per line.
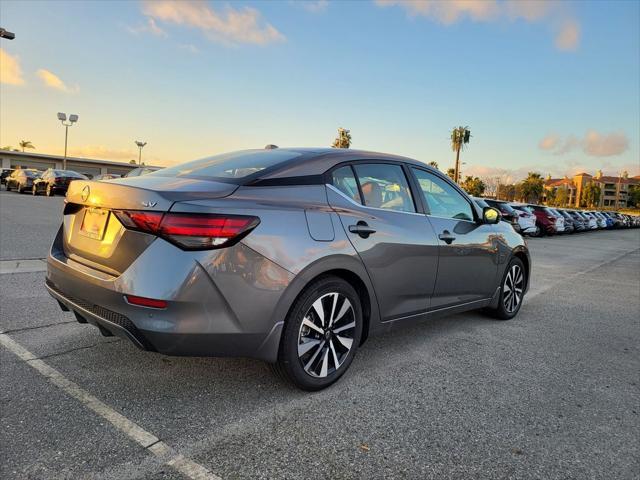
207,315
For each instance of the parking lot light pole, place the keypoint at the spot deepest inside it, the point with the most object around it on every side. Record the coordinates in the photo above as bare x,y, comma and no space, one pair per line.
140,145
7,34
63,119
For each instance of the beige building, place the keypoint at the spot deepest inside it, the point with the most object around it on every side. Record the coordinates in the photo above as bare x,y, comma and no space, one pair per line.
614,190
86,166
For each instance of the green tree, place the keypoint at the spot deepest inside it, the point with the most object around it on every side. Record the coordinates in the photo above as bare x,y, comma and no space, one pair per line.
633,199
506,192
451,172
473,186
550,196
459,138
26,144
530,189
590,195
343,140
562,197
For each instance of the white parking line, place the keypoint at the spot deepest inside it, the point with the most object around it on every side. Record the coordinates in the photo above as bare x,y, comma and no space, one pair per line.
23,266
147,440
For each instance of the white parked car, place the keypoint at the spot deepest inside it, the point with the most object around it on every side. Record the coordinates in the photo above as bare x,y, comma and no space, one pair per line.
526,219
593,223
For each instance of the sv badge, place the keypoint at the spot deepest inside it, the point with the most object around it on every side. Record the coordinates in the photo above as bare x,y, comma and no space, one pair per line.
149,204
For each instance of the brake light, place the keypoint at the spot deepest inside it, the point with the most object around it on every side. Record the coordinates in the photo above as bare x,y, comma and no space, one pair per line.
190,231
145,302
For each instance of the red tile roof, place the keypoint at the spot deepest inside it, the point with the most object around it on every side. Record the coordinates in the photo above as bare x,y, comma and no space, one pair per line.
557,182
625,181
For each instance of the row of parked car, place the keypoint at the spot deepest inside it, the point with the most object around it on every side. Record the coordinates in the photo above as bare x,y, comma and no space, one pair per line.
538,220
53,181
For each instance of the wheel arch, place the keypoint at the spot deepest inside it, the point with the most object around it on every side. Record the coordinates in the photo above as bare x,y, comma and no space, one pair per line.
345,267
522,254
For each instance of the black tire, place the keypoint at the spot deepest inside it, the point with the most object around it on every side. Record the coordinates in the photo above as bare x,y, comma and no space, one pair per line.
501,312
20,189
290,365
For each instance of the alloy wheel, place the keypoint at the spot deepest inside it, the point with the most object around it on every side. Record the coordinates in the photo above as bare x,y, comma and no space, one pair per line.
326,335
512,288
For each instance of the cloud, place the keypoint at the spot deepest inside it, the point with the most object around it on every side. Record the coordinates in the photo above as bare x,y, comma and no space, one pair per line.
316,6
190,48
10,71
150,27
234,26
449,12
568,37
549,142
51,80
594,144
599,145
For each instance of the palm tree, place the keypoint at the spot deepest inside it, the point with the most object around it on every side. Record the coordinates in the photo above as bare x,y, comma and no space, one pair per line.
343,140
451,172
433,164
26,144
530,189
459,138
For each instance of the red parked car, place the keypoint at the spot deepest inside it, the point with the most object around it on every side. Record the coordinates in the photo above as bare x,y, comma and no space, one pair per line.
545,220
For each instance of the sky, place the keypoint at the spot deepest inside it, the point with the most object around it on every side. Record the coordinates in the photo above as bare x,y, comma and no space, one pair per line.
552,87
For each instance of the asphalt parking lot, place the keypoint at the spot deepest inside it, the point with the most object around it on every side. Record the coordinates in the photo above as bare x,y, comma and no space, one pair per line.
554,393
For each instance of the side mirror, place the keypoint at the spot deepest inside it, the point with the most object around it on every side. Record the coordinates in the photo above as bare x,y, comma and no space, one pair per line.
490,215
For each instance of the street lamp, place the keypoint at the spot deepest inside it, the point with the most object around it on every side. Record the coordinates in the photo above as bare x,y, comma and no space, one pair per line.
140,145
63,119
7,34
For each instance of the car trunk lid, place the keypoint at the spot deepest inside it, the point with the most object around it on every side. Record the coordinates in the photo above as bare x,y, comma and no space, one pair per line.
93,234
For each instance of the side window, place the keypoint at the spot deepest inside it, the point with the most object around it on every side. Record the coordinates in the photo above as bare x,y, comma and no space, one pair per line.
344,180
442,199
385,186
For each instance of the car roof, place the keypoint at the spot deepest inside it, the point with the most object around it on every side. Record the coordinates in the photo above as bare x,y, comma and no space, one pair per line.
316,161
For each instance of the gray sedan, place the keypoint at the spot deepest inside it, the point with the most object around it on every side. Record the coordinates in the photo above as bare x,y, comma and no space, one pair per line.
294,256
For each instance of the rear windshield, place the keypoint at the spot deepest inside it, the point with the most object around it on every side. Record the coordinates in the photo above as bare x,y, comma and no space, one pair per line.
231,167
67,173
523,208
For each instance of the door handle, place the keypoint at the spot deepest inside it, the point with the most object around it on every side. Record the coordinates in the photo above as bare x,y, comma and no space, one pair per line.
446,237
362,229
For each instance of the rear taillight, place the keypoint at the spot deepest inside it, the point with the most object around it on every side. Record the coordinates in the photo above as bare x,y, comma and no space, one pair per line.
190,231
145,302
58,180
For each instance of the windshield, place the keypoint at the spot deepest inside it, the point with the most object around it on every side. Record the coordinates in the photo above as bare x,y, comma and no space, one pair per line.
230,167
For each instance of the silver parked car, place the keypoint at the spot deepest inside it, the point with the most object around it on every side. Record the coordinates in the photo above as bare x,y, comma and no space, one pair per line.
293,256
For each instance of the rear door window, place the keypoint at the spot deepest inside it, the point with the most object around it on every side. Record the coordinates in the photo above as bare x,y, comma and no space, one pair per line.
344,180
384,186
